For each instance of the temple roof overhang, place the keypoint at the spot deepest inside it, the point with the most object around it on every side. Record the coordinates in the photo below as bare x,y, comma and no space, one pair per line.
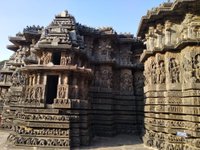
18,40
12,47
57,68
167,11
174,48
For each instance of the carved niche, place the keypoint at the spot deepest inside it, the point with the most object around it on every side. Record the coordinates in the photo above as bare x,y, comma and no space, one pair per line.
105,49
191,65
45,58
174,70
160,69
106,77
197,67
150,39
159,36
66,58
126,81
17,79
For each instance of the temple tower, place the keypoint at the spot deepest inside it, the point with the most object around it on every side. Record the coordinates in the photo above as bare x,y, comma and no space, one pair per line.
55,102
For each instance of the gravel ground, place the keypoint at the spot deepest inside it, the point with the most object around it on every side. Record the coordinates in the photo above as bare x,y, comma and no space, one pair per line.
120,142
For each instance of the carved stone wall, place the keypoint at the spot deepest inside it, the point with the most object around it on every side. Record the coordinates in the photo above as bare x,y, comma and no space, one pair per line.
12,81
171,81
78,82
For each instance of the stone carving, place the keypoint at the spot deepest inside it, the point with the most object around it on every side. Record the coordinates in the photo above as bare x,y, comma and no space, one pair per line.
187,66
56,103
171,77
34,94
17,79
153,73
106,78
168,33
159,36
46,58
150,37
160,71
197,68
174,71
38,93
126,82
105,49
66,59
62,91
44,132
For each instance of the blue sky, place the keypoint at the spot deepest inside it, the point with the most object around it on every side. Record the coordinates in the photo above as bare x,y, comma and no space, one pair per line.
122,15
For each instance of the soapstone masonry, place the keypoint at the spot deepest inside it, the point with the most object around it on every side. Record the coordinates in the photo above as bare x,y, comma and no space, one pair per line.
172,75
74,82
67,82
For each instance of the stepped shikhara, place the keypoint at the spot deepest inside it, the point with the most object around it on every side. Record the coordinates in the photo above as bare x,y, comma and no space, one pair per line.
172,73
78,82
67,83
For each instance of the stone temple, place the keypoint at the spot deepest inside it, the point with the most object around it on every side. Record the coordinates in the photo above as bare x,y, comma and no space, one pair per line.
67,83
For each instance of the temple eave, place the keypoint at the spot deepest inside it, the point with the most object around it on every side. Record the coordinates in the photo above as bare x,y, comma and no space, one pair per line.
50,46
176,9
57,68
12,47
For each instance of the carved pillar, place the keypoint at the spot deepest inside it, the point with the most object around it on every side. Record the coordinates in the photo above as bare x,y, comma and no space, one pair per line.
38,78
168,33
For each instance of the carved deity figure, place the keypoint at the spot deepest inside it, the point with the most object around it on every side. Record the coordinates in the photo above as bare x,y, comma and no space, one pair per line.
105,49
38,92
66,59
188,71
160,72
17,79
62,92
106,77
46,57
153,73
31,93
197,67
126,83
174,71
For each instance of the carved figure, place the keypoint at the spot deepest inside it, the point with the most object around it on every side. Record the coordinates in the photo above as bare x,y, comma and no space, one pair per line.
160,71
153,73
38,92
197,68
174,71
46,57
62,91
126,82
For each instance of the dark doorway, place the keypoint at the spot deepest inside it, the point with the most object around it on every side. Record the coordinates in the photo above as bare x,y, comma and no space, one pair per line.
51,88
56,58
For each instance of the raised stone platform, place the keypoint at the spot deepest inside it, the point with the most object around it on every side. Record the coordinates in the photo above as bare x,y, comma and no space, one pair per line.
120,142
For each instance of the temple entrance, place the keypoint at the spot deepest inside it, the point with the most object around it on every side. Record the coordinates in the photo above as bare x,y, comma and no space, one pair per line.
51,88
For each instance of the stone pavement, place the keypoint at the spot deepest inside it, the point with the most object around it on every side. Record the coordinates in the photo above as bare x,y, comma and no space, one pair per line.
120,142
